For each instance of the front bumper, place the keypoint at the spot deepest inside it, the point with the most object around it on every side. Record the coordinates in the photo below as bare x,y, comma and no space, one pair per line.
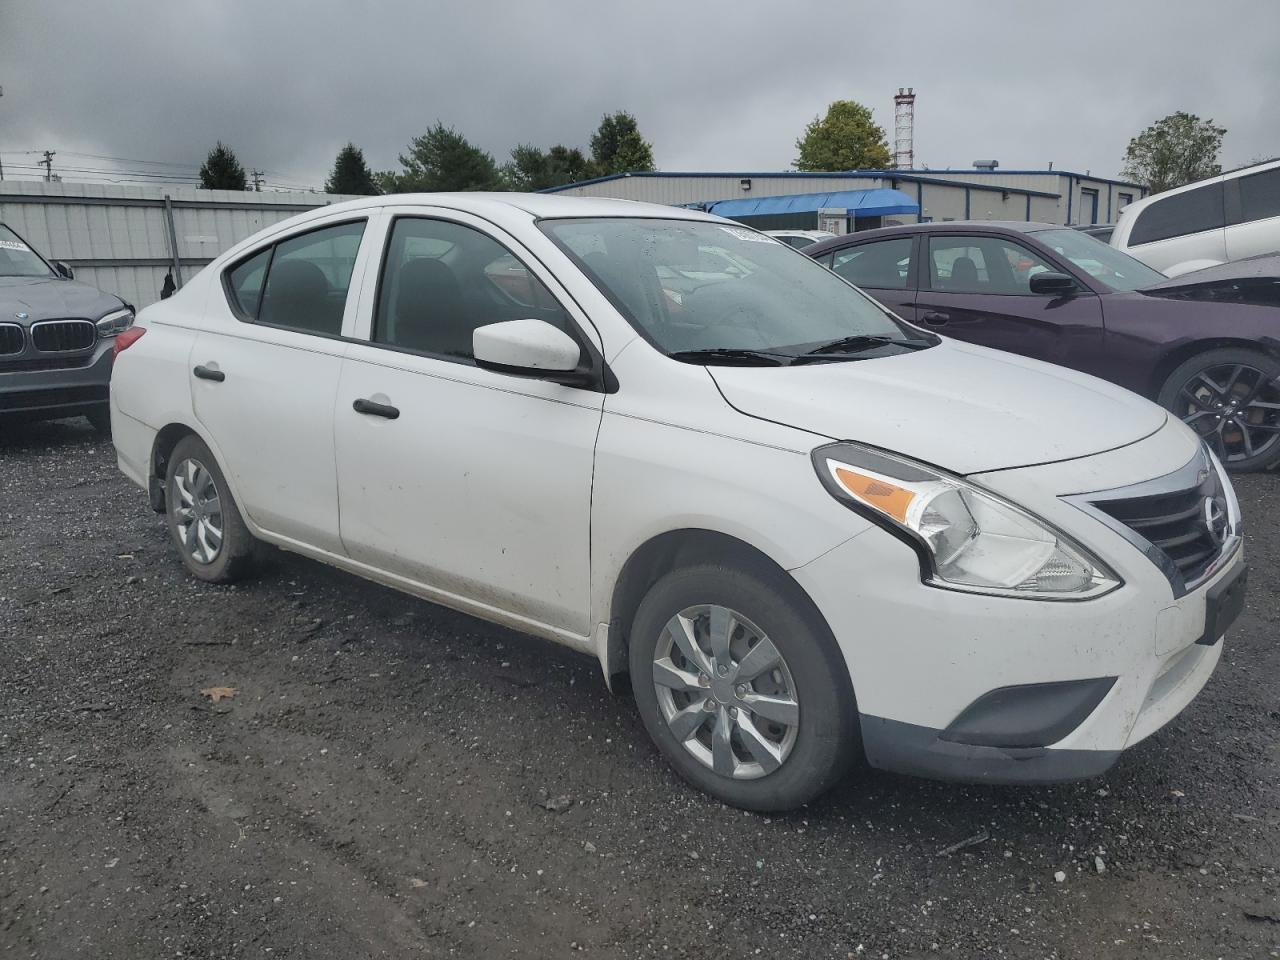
60,392
924,661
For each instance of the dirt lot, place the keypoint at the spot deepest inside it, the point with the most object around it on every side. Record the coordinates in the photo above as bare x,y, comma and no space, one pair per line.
379,784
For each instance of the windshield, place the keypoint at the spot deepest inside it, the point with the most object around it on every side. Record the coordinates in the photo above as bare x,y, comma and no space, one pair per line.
17,259
693,286
1104,263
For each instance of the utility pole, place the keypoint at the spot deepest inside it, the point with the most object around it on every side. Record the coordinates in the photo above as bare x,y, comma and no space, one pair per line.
1,161
256,175
48,164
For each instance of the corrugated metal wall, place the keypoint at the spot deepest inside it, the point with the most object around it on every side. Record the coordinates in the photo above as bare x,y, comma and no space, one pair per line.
117,237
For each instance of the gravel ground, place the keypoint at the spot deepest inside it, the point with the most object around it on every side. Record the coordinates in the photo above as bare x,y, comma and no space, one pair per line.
391,779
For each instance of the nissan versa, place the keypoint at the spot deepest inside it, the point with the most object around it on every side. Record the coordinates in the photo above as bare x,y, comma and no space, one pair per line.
806,529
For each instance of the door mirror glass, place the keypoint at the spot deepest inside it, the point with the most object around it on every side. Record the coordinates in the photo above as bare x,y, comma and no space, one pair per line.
530,347
1053,284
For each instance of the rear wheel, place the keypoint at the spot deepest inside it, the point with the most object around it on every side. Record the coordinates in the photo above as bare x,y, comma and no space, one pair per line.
742,687
204,521
1231,398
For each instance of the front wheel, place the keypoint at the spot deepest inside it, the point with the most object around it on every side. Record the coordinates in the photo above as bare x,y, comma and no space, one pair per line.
1231,398
204,520
742,688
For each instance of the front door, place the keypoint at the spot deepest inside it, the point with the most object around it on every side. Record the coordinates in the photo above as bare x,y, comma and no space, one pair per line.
977,288
263,380
472,482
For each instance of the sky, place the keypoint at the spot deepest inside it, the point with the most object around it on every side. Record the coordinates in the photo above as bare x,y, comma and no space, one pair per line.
715,85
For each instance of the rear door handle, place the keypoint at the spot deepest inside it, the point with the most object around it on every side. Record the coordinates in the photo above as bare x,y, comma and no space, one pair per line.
936,319
209,373
375,409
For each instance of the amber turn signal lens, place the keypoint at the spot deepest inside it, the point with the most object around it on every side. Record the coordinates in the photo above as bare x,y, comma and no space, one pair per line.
885,497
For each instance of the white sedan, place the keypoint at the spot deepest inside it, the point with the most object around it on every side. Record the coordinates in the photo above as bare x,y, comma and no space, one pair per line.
805,529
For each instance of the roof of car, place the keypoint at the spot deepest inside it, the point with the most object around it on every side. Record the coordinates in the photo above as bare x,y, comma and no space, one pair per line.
972,226
536,204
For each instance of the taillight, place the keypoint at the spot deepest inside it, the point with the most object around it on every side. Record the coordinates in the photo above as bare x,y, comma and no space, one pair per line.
125,339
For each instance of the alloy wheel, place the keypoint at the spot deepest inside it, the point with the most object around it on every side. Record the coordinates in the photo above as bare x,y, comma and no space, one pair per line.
725,692
197,511
1234,407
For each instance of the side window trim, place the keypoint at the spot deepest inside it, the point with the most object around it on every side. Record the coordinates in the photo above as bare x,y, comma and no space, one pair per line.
232,301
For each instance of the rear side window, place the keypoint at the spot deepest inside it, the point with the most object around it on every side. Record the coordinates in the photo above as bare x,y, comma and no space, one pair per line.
884,265
1180,214
308,279
245,282
1260,195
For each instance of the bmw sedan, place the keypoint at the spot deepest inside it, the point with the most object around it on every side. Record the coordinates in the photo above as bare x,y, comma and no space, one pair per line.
1057,294
803,530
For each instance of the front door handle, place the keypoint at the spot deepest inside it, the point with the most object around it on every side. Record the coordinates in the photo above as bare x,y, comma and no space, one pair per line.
375,409
936,319
209,373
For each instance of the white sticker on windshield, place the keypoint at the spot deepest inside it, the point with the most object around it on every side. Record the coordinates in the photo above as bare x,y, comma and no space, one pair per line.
14,245
749,235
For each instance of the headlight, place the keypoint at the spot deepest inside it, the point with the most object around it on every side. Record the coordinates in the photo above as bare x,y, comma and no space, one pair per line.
116,322
967,539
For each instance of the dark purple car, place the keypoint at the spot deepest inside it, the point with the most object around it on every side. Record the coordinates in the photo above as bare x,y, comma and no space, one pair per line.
1059,295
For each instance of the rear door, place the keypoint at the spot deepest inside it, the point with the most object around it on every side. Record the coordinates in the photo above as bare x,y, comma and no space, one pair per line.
976,287
265,372
884,269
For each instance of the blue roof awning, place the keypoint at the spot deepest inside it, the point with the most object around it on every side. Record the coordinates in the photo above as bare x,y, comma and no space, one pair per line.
881,202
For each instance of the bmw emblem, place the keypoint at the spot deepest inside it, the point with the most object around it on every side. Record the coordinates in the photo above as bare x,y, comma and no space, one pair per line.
22,316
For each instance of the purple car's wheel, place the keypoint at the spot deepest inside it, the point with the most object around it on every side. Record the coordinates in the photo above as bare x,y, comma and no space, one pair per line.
1231,398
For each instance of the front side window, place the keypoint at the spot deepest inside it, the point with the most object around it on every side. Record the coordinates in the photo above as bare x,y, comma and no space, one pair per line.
884,264
1105,263
1180,214
19,260
442,280
1260,195
991,265
693,286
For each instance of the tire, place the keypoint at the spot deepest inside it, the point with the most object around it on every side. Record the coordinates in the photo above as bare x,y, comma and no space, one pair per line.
803,759
100,419
1231,397
193,479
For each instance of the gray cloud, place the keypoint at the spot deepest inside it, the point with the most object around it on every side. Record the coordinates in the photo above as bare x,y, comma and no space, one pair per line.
715,85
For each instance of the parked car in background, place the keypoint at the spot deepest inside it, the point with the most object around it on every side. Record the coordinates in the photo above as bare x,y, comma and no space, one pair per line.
1056,294
800,238
1228,217
56,338
802,526
1099,231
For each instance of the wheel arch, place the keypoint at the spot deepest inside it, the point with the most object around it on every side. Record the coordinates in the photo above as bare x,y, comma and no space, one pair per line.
672,550
167,438
1184,352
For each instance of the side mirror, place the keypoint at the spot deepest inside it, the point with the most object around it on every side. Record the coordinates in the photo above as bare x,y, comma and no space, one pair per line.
1054,284
63,270
529,348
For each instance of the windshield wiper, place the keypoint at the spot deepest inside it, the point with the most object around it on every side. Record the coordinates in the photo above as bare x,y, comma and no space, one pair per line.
859,344
728,355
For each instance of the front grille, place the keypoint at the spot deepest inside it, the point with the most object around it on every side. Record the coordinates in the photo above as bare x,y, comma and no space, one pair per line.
53,397
58,336
45,363
1184,521
12,340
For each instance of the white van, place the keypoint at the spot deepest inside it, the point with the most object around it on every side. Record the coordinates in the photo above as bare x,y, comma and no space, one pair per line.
1229,217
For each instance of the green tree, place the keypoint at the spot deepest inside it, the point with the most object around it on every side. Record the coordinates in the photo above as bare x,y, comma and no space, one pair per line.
531,168
351,175
442,159
1179,149
221,170
845,139
617,147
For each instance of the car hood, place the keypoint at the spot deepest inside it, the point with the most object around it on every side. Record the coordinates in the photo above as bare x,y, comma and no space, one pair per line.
47,298
964,408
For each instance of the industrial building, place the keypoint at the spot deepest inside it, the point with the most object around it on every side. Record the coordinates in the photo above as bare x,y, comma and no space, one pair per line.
863,199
